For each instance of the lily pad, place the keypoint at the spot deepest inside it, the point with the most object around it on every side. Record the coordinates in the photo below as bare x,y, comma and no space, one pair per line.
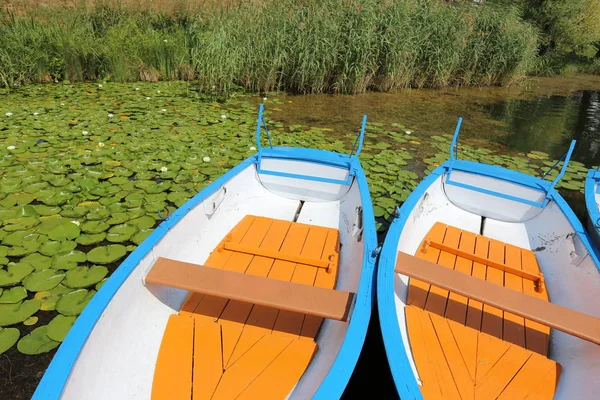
59,228
37,342
91,227
121,233
144,222
31,321
43,280
14,273
81,277
99,284
8,338
11,314
106,254
74,302
90,239
50,297
13,295
37,261
53,247
59,327
141,235
68,259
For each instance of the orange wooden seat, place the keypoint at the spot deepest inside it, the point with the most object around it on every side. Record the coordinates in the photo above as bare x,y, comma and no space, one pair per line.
222,348
464,348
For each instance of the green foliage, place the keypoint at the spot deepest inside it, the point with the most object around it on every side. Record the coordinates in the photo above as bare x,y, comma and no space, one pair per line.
339,46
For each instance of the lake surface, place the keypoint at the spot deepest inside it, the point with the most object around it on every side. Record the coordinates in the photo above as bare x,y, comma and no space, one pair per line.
541,115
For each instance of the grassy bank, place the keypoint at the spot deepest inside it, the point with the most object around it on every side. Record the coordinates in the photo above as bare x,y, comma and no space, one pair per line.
339,46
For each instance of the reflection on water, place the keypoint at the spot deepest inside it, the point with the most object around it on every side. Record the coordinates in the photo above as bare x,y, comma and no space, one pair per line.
550,123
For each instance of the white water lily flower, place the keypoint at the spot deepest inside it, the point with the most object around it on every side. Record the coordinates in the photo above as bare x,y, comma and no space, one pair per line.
165,40
110,115
99,86
252,148
264,99
100,144
408,132
223,116
147,98
76,222
206,159
36,113
84,133
137,88
62,104
158,91
164,110
164,169
9,114
10,147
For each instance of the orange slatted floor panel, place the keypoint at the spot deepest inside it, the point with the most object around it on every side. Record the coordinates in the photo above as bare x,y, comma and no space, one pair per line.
224,349
466,350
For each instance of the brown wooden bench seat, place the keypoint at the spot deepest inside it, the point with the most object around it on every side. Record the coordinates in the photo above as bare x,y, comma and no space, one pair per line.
262,291
564,319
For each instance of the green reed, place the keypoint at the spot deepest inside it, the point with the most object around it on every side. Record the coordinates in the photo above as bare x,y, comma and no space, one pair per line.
335,46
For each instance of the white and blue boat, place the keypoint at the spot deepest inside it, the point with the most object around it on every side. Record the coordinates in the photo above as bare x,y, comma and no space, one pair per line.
487,288
260,286
592,204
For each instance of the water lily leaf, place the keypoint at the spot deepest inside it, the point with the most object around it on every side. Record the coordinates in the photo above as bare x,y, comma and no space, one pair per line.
107,254
46,210
74,302
14,274
13,295
118,218
179,198
378,211
90,239
99,284
97,213
50,297
58,228
31,321
144,222
53,247
56,199
38,261
37,342
59,327
69,211
141,235
121,233
68,259
11,314
8,338
81,277
43,280
94,226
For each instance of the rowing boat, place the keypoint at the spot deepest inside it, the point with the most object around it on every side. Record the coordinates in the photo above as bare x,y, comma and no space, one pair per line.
487,289
592,203
260,286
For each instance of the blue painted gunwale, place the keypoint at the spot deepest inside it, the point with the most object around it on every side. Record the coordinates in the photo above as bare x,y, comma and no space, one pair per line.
593,178
53,382
404,379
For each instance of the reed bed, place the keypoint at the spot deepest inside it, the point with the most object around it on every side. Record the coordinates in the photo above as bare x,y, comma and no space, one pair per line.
332,46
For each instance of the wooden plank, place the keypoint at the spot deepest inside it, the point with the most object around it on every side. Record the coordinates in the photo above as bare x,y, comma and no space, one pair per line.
420,352
325,279
566,320
280,377
173,372
489,350
241,374
502,373
456,310
262,318
208,358
475,308
452,356
505,267
492,319
545,390
291,322
528,378
514,326
233,318
467,340
315,262
536,335
418,290
438,297
287,296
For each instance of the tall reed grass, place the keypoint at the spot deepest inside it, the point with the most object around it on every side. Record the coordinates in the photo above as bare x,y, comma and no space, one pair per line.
310,46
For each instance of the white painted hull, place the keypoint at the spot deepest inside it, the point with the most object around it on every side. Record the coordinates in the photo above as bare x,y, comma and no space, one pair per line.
118,358
561,246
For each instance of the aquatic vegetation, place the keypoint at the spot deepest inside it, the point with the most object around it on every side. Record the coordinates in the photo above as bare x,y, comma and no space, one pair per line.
71,210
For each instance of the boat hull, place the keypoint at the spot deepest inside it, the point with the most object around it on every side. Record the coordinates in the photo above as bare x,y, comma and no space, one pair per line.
550,229
112,348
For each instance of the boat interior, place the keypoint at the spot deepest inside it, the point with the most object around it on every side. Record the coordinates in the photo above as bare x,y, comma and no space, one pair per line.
460,348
